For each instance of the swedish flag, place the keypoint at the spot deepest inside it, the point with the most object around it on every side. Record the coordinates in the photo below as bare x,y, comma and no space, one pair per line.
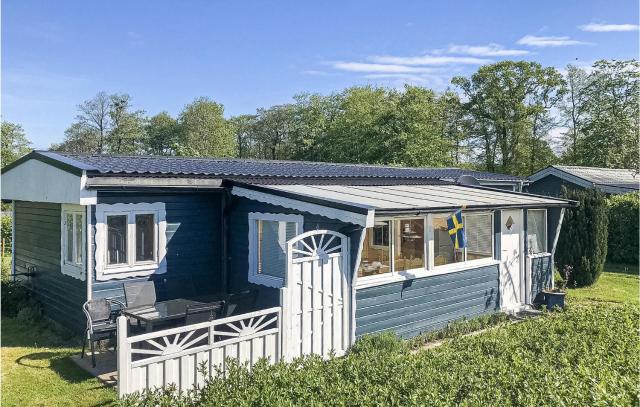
456,229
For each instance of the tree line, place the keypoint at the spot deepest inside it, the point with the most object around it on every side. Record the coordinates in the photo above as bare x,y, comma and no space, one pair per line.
501,118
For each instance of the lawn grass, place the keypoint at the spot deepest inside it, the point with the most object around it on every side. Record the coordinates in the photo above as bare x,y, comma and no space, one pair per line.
37,371
618,283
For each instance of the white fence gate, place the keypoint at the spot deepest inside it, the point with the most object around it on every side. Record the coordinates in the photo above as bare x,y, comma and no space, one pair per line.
173,356
317,295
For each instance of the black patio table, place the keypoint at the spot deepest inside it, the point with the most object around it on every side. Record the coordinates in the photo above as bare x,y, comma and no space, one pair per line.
161,311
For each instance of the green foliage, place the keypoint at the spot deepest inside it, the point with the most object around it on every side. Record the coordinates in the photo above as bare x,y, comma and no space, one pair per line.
204,131
15,297
15,143
553,360
6,226
623,228
583,241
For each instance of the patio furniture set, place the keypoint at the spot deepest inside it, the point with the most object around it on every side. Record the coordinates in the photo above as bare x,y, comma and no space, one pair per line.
145,313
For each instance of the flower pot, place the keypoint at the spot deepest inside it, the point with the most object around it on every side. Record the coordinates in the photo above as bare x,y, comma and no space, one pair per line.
554,299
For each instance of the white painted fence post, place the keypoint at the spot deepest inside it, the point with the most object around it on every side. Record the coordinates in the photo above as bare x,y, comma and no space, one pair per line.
124,357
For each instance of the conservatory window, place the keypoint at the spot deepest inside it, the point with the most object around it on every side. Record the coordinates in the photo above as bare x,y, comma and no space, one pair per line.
479,235
269,234
537,231
73,240
444,251
376,251
408,244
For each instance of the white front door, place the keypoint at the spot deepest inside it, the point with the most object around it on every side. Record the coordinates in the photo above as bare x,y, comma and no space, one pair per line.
317,316
511,276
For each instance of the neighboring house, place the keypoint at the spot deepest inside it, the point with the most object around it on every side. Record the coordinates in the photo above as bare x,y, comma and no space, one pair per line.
84,224
550,180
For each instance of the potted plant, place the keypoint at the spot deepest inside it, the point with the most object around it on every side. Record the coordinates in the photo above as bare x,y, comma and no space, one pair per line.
554,297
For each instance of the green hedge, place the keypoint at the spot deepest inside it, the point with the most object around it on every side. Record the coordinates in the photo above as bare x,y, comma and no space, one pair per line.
583,241
623,228
586,356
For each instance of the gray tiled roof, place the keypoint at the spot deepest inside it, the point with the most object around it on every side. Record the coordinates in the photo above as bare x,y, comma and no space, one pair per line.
610,180
222,167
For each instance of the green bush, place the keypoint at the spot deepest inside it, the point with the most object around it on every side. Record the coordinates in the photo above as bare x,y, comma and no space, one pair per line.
15,297
588,355
623,228
6,228
583,241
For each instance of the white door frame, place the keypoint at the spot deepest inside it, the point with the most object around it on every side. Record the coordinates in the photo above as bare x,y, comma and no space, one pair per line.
315,251
521,263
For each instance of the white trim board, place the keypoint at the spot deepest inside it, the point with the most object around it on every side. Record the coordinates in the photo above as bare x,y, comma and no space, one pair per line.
326,211
35,181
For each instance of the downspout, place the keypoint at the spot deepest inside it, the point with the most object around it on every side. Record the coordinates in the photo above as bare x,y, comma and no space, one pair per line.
223,248
555,243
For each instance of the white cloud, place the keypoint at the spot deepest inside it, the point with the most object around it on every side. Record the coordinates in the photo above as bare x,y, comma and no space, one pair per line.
541,41
601,28
489,50
377,68
429,60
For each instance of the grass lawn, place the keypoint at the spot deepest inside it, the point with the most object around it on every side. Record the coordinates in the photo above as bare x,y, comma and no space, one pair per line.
37,371
618,283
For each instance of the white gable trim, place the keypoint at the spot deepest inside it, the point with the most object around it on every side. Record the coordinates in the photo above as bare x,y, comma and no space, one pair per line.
36,181
333,213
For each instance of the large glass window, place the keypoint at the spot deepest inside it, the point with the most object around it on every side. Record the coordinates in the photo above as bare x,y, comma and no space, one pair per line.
73,240
444,251
145,237
117,239
536,231
408,246
272,246
478,230
376,251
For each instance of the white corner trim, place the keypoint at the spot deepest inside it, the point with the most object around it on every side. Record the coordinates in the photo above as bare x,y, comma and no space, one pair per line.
131,269
264,279
332,213
557,235
78,271
89,257
87,197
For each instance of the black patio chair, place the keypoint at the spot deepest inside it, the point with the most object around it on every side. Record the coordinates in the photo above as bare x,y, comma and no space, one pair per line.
241,303
196,314
101,323
140,294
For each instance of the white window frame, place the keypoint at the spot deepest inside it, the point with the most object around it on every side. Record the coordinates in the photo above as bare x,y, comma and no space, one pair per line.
430,269
264,279
131,268
545,252
73,269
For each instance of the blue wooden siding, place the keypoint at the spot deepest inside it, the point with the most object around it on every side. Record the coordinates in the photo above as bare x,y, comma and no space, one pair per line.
541,275
423,304
238,242
194,242
37,244
550,186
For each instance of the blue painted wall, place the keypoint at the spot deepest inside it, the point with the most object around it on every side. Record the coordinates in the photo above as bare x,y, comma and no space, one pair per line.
194,242
550,186
424,304
541,275
37,244
238,242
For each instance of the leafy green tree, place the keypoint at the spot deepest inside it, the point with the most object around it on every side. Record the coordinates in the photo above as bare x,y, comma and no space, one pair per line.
126,135
204,131
162,133
272,130
583,241
15,143
624,211
245,135
572,111
611,106
93,122
79,138
504,100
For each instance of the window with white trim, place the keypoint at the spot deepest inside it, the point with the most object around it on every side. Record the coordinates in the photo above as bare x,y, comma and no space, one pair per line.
537,231
130,240
268,236
73,238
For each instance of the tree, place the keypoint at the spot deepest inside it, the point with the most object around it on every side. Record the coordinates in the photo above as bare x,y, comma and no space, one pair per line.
79,138
611,124
93,117
572,110
503,101
126,135
453,126
244,131
162,133
624,219
272,129
204,131
15,143
583,241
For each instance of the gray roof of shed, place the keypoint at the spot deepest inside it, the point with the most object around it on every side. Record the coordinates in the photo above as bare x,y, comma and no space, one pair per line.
610,180
96,164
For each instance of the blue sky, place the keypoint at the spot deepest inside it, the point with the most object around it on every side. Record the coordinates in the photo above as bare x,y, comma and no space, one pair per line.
246,55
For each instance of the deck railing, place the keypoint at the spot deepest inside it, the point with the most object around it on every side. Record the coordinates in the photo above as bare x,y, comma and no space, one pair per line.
174,356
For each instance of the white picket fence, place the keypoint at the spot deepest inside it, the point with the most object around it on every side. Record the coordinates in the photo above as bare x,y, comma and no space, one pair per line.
173,356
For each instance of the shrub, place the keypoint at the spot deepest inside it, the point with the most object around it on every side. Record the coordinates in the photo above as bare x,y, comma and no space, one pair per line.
6,226
583,241
587,355
623,228
15,297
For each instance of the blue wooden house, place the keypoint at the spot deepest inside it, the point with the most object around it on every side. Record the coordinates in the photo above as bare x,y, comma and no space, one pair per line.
344,250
